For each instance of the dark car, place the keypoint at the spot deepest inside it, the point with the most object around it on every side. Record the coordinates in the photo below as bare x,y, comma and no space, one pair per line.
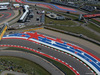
37,19
39,48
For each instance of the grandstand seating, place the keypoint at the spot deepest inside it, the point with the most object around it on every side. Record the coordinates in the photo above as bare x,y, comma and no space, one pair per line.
65,3
88,8
42,18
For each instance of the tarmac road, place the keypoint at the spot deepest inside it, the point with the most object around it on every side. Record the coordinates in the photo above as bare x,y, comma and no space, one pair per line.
42,62
7,14
83,70
91,47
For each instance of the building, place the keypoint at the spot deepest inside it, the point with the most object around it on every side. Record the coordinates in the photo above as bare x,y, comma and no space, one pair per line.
16,5
85,1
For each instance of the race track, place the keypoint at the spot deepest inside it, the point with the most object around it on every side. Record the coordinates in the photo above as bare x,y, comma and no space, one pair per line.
51,6
79,66
6,14
40,40
72,61
34,58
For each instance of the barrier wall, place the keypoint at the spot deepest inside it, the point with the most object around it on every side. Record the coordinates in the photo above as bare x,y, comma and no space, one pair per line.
4,28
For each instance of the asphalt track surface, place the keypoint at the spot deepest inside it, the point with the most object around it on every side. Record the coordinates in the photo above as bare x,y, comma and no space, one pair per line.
6,14
83,70
34,58
70,39
74,63
50,6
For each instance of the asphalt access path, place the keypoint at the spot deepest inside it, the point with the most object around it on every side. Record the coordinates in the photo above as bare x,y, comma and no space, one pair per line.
42,62
83,70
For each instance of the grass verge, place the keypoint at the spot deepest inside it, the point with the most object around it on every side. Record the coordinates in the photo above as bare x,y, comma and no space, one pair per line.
21,65
63,68
94,27
95,21
78,30
61,22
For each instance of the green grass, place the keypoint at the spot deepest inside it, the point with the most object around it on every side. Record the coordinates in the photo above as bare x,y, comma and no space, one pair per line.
63,68
9,74
61,22
32,26
94,27
25,28
23,64
95,21
79,30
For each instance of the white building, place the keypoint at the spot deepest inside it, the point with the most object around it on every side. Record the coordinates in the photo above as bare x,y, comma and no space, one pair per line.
16,5
5,3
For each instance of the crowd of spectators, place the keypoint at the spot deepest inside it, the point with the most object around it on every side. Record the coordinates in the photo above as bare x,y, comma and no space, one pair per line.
88,8
70,4
82,6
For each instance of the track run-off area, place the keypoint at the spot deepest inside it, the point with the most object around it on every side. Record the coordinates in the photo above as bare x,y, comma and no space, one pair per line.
5,14
8,14
56,49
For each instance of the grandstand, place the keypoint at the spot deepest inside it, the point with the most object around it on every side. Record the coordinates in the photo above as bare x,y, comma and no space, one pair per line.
70,4
25,14
5,3
89,8
42,18
4,6
75,5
